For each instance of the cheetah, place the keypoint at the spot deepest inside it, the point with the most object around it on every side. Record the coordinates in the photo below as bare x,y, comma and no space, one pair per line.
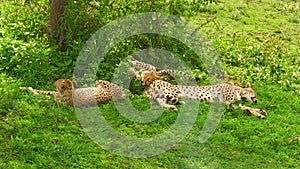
164,91
167,95
79,97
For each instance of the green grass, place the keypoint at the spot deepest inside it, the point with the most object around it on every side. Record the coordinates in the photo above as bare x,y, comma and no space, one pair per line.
257,41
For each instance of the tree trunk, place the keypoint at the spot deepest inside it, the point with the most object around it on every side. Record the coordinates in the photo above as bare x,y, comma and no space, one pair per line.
54,23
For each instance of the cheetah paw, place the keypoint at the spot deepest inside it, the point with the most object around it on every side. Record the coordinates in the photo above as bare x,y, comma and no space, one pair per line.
260,113
181,102
170,107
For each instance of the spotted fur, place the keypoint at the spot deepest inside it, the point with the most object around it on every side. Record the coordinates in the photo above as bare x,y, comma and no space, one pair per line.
167,94
68,94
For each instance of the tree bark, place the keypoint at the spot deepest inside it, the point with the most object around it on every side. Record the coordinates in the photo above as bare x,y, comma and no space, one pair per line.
54,23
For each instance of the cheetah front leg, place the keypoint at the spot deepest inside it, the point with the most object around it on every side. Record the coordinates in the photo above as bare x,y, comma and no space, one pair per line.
164,105
260,113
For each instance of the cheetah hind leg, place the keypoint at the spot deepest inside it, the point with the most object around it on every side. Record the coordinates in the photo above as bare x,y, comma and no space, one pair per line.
164,105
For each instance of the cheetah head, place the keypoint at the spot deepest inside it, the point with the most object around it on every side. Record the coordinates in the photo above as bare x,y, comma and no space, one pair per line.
248,93
64,85
147,77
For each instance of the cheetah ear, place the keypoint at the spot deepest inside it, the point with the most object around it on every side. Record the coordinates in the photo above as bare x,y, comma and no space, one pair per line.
74,84
248,85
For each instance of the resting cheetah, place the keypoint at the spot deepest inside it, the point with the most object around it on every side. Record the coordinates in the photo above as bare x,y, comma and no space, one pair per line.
167,94
72,96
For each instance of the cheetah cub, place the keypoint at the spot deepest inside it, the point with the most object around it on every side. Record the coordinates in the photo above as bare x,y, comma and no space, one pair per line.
67,93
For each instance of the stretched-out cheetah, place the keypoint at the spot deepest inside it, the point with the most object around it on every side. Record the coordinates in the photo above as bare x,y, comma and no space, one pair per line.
166,94
72,96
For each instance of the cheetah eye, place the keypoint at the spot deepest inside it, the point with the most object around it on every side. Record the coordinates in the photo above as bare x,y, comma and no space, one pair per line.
244,92
64,87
